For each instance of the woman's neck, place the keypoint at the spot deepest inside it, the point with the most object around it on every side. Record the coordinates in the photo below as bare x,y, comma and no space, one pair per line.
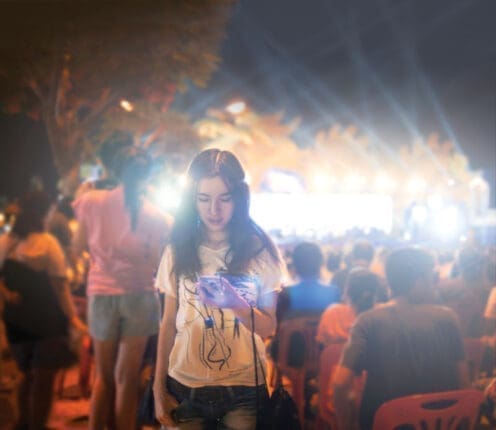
216,240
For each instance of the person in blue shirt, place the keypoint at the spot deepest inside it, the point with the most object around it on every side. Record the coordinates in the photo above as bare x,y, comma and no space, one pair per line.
309,297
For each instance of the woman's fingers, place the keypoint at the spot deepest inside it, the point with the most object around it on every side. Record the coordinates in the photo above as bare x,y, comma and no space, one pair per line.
164,408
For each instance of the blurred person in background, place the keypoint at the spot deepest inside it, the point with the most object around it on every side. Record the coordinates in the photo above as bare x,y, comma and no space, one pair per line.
125,236
308,297
333,263
362,288
107,156
467,294
361,255
407,346
38,308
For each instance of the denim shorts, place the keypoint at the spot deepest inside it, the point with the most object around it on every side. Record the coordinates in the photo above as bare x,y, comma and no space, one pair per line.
217,407
127,315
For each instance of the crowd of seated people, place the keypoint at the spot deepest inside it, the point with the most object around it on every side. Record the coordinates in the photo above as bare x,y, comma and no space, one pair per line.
403,315
413,340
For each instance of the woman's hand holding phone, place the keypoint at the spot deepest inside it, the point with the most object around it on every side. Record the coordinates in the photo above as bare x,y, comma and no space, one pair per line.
218,292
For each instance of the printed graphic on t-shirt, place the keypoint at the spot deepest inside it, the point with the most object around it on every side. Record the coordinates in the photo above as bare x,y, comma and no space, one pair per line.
220,328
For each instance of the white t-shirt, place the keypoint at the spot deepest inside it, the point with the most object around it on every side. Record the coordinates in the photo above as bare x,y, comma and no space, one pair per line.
39,251
211,346
490,311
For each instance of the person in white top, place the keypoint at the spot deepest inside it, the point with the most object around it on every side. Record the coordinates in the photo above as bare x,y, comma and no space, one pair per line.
220,275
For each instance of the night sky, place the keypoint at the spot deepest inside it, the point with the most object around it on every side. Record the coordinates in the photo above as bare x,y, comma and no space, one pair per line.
401,68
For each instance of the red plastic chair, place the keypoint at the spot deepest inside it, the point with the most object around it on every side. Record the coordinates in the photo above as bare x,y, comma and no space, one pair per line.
434,411
329,359
305,329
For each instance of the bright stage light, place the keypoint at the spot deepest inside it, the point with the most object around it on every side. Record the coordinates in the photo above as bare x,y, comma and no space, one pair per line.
324,212
237,107
166,196
447,223
416,185
355,182
384,182
477,182
322,181
280,181
435,202
419,214
182,180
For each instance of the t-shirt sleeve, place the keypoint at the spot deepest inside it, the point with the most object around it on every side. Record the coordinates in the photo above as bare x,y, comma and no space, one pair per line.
56,264
355,349
490,311
271,272
163,279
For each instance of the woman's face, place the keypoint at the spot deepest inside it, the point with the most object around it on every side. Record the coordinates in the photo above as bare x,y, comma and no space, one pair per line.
214,204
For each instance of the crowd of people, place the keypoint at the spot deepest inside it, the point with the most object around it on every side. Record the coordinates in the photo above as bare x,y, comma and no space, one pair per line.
210,288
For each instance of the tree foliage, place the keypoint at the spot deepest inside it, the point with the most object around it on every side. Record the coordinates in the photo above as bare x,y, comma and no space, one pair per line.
70,62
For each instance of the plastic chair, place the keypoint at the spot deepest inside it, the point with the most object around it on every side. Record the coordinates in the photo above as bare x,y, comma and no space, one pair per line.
433,411
474,351
298,356
329,359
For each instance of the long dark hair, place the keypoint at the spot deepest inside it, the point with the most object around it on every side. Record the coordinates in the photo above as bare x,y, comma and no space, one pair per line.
34,206
246,238
132,166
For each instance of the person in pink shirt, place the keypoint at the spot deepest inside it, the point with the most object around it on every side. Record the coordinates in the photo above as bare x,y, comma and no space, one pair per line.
125,235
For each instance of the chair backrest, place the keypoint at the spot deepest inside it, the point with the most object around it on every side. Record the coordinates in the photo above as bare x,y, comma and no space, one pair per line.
440,411
298,348
474,352
329,359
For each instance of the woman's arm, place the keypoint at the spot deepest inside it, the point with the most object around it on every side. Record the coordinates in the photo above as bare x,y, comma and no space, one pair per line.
80,240
165,402
226,296
64,298
265,318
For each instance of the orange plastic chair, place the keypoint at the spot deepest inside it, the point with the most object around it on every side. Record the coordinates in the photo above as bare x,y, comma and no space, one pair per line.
329,359
440,411
304,329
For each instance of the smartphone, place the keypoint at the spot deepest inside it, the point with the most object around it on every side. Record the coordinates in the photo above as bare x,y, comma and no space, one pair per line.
210,284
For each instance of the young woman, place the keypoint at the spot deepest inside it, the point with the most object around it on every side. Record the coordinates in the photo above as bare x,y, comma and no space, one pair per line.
205,372
125,236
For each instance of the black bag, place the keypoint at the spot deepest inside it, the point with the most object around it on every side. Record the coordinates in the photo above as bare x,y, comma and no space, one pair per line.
146,406
280,412
38,315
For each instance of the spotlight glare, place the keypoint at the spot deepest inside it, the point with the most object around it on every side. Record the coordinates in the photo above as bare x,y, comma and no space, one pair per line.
127,105
235,108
